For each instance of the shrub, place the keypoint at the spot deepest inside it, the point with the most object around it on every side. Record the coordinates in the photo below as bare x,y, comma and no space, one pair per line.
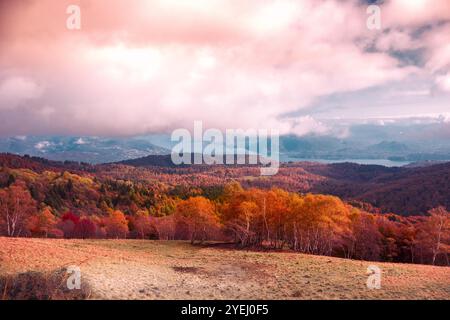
40,286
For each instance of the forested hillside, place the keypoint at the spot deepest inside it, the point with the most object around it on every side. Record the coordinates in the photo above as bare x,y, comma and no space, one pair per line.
70,200
406,191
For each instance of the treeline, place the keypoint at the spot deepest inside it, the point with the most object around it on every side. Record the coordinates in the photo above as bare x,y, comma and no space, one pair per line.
324,225
64,205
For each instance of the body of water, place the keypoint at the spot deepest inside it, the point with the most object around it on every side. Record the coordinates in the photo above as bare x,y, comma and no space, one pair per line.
380,162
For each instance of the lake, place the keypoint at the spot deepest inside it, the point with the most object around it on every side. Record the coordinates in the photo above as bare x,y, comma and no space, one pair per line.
380,162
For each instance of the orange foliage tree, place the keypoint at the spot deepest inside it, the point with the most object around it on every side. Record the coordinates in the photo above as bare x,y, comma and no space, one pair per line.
42,223
198,213
16,208
435,233
116,225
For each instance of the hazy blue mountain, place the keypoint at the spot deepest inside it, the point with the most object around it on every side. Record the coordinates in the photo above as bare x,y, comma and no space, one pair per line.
82,149
395,142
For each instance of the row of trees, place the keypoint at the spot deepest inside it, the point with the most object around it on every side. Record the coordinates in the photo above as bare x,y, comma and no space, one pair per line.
324,225
264,219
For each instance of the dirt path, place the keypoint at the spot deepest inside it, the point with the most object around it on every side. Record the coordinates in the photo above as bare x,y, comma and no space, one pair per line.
133,269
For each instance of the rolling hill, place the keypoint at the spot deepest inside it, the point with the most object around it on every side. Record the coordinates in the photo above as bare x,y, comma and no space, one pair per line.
405,191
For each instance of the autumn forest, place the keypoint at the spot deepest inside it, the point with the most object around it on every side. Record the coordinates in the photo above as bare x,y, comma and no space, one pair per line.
40,198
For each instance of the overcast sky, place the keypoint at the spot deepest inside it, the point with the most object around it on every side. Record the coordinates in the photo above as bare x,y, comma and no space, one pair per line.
139,67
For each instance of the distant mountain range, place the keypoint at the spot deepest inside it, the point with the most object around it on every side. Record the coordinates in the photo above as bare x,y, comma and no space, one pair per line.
82,149
402,147
326,147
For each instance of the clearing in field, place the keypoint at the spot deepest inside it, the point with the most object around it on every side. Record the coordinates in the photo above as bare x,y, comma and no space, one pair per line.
141,269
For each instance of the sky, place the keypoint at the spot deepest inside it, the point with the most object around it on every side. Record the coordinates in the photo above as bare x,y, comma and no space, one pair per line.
139,67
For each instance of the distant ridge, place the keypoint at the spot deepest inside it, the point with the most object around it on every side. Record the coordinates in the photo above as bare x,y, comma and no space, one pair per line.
151,160
166,161
425,163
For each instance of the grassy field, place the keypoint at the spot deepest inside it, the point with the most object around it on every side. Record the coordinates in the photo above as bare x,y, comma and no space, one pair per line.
134,269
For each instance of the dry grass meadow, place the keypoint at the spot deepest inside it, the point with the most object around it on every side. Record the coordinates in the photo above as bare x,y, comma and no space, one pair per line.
134,269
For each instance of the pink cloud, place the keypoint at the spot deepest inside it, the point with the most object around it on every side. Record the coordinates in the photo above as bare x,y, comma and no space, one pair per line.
402,13
16,90
158,65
